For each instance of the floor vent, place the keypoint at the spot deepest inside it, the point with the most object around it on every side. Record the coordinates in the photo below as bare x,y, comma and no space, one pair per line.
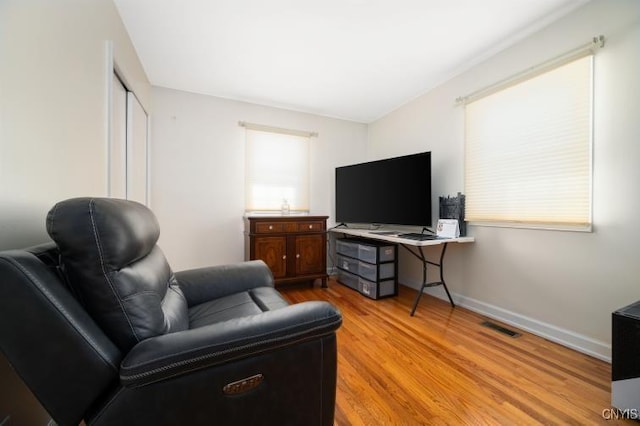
500,329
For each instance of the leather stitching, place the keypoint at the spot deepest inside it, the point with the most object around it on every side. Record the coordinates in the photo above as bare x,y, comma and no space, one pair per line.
104,272
228,342
213,355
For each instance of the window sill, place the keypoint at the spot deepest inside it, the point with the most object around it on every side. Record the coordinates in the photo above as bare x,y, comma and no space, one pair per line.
541,226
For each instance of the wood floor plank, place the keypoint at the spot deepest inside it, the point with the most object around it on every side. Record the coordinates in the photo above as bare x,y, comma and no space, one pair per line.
443,367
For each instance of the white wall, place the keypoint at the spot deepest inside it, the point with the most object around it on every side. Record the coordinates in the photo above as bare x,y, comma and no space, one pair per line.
560,284
197,170
53,130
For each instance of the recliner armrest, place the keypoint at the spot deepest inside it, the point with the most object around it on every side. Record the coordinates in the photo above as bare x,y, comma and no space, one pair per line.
204,284
174,354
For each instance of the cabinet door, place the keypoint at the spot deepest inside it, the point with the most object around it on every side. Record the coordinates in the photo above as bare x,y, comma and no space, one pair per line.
310,254
273,251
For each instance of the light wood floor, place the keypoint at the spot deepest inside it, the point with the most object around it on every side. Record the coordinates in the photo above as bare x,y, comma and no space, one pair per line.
442,367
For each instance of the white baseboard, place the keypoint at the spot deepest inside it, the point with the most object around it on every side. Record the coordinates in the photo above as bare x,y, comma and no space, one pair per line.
564,337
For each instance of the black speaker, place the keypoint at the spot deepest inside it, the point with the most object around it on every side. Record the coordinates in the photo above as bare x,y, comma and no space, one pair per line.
625,358
453,208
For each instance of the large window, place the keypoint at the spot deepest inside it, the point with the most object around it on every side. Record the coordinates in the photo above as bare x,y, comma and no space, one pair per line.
277,170
528,151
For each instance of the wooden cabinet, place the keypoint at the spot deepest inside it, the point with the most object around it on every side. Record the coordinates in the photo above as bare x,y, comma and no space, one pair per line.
294,247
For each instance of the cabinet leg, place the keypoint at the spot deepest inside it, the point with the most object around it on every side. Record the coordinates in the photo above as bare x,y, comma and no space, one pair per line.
324,283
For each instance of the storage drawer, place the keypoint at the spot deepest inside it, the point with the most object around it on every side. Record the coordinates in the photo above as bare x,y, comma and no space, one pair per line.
348,264
269,227
348,279
376,290
310,227
377,272
347,248
375,253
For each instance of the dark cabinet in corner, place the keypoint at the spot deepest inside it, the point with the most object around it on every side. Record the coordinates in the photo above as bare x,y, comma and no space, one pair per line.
294,247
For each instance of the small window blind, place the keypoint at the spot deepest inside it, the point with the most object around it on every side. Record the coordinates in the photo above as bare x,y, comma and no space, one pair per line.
528,151
277,169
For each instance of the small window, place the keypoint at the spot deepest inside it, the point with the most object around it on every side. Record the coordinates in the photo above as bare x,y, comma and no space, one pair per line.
528,151
277,170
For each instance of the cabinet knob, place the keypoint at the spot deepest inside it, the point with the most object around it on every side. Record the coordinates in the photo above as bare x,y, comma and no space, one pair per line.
270,227
297,256
284,256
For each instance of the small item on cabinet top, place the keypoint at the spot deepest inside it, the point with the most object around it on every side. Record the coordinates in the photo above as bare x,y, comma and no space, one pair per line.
285,207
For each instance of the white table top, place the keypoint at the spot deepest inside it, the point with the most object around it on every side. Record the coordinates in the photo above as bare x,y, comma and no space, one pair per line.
392,237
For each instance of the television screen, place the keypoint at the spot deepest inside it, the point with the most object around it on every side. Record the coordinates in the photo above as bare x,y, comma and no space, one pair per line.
391,191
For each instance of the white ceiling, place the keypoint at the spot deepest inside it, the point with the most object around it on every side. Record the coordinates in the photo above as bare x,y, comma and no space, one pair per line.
350,59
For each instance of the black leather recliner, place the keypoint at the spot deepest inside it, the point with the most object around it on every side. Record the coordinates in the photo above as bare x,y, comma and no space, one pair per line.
101,330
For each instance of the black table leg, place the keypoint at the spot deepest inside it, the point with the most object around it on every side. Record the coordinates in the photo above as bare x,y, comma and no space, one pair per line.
420,255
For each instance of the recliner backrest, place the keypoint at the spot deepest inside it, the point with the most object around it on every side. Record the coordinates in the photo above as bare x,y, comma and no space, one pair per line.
120,275
48,337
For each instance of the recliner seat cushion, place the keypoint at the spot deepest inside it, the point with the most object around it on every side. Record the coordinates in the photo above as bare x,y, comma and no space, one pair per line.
108,248
243,304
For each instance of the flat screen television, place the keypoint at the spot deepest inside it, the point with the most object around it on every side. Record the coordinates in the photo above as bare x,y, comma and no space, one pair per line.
391,191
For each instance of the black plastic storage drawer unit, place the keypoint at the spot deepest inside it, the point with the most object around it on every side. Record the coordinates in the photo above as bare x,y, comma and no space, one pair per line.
370,267
348,264
377,289
348,279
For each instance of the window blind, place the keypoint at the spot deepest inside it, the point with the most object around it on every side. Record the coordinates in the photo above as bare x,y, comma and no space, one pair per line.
277,169
528,150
